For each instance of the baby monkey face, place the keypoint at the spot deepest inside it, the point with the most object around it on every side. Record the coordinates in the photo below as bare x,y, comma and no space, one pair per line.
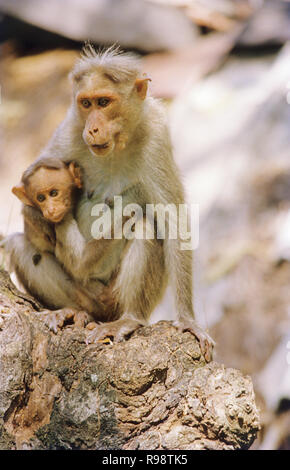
51,190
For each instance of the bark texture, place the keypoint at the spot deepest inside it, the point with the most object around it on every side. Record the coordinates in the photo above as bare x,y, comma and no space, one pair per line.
153,391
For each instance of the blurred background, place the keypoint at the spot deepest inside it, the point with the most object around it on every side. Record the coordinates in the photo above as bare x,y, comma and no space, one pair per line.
222,68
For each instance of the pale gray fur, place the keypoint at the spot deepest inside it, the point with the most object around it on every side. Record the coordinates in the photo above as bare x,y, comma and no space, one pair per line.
119,66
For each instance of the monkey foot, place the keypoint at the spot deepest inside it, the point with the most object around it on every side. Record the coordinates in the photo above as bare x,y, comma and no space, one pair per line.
59,318
206,342
118,330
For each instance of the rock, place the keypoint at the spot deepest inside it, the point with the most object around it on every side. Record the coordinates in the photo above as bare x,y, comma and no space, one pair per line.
153,391
269,26
142,25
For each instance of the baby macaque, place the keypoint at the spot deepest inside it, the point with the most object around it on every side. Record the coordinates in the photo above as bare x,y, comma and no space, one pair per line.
52,189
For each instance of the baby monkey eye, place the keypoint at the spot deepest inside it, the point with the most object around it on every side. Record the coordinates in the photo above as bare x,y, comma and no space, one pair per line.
40,197
103,102
53,192
85,103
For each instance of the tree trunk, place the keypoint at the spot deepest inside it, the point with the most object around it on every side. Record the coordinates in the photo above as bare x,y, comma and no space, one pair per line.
153,391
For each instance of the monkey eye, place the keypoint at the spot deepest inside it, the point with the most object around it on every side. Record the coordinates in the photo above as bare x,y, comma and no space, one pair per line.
40,197
86,103
53,192
103,102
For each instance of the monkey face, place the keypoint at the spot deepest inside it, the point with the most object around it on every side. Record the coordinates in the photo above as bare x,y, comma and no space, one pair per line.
51,191
108,111
100,131
101,113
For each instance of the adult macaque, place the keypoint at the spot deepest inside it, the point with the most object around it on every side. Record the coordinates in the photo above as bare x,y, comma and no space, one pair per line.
119,137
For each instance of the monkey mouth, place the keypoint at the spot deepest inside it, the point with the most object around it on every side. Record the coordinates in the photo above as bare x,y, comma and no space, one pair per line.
55,219
100,150
101,146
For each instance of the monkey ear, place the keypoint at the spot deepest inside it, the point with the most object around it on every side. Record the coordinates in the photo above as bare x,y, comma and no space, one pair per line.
76,77
20,192
141,85
75,172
